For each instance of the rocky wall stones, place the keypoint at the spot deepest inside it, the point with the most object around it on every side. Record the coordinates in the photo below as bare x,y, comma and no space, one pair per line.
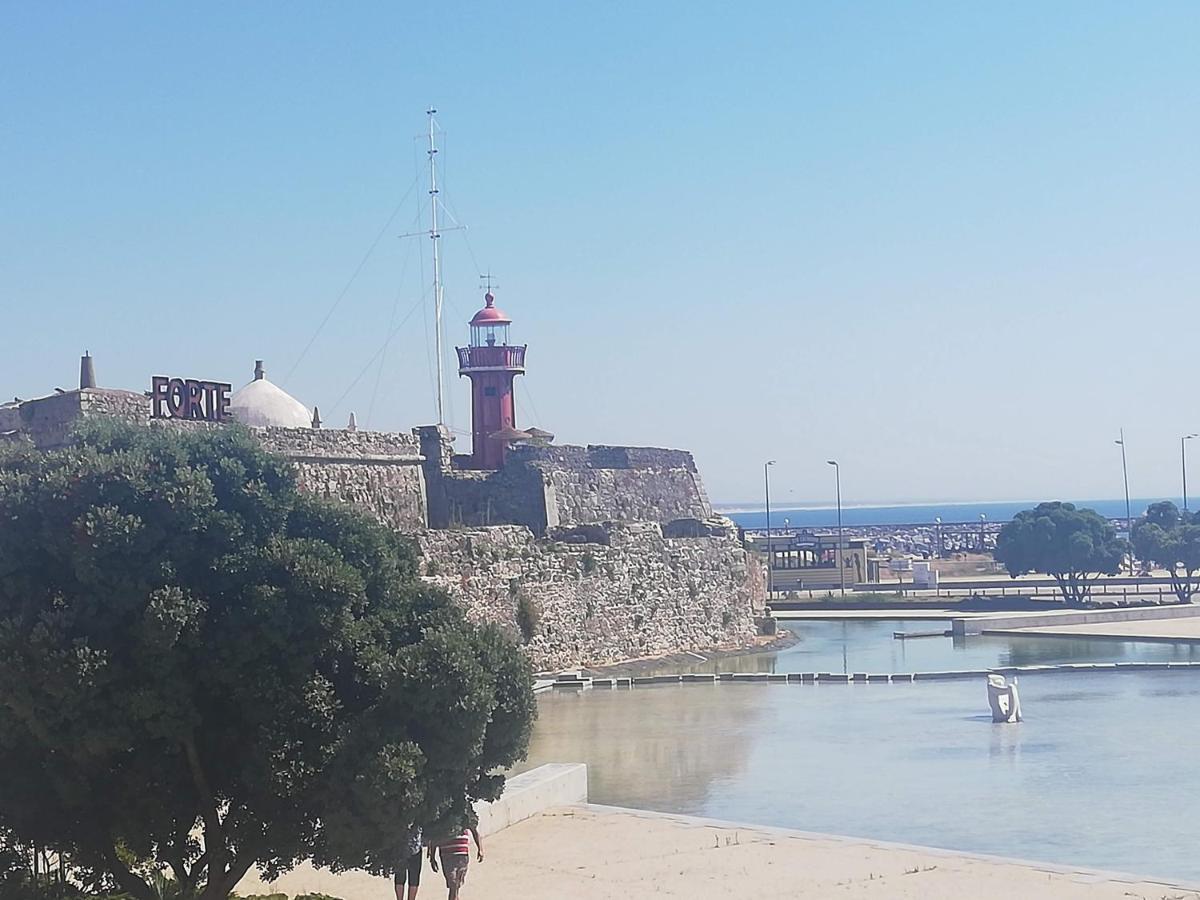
377,472
392,493
591,494
639,594
332,443
546,486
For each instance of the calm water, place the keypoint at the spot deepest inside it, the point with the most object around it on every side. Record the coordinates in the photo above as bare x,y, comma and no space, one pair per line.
1102,773
811,517
868,646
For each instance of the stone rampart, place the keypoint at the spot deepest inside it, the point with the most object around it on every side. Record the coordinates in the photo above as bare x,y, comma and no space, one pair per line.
48,421
598,597
616,484
377,472
542,487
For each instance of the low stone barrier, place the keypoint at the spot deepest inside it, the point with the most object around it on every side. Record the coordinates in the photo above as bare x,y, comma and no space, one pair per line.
816,678
530,793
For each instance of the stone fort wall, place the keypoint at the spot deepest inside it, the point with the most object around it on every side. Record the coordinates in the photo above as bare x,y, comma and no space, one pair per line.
377,472
601,594
617,484
615,548
543,487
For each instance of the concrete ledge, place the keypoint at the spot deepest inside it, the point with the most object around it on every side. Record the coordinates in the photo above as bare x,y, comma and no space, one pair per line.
808,678
657,679
949,676
530,793
991,623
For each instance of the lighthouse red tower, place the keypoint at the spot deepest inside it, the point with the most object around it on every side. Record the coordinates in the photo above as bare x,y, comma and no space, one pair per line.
492,363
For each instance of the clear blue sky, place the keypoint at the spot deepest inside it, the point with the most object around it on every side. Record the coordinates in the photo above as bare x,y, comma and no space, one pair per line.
955,245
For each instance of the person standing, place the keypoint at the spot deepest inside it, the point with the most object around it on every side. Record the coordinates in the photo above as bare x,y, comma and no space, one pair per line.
455,853
409,868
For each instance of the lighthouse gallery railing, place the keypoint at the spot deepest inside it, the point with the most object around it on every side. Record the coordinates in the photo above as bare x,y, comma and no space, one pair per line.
491,357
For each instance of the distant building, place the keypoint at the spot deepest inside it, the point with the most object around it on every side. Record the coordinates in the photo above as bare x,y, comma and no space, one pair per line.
808,561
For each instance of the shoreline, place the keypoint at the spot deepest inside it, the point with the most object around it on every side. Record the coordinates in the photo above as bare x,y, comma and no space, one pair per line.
783,639
590,851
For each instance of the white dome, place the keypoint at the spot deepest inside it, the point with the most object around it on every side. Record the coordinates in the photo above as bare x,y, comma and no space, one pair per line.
261,404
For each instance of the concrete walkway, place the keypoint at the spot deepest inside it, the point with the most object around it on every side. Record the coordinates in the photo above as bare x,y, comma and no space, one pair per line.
1184,630
600,853
832,612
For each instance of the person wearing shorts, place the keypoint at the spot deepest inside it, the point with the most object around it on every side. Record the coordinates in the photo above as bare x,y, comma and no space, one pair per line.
455,853
409,868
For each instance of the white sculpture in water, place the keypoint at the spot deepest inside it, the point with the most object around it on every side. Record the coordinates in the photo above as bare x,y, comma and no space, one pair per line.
1003,699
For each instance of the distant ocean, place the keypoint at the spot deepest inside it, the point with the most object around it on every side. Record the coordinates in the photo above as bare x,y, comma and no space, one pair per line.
918,514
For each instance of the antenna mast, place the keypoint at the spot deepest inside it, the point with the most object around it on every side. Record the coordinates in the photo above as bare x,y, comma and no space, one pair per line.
435,236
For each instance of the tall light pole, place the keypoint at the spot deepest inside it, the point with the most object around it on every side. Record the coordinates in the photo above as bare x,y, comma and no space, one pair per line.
841,563
1183,464
982,523
767,494
1128,510
938,520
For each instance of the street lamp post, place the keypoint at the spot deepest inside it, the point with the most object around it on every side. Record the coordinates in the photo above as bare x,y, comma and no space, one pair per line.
982,524
940,551
767,496
841,563
1128,510
1183,465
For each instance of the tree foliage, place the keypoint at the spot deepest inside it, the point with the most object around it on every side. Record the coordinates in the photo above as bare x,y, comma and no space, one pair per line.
206,669
1074,546
1170,539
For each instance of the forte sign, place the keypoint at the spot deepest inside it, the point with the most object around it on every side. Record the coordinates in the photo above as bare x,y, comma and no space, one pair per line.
187,398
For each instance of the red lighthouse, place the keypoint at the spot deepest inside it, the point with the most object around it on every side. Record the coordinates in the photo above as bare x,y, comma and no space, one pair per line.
492,363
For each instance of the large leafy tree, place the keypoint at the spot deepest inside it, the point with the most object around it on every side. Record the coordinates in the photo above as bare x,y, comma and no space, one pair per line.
204,670
1171,540
1074,546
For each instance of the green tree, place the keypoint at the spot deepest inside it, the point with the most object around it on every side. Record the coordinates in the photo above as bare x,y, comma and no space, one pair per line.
1170,539
1074,546
205,670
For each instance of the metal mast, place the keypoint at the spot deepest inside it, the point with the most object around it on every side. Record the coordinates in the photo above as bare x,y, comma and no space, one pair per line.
435,236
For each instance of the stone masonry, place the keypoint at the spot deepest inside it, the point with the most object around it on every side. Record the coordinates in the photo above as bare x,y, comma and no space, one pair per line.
377,472
543,487
601,594
590,555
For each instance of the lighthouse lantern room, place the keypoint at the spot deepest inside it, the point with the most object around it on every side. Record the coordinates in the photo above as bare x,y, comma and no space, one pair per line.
492,364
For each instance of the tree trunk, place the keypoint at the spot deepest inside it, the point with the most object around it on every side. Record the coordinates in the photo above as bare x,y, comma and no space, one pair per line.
221,884
1181,587
126,880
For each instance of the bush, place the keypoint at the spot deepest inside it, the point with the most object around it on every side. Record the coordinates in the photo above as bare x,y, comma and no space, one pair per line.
529,617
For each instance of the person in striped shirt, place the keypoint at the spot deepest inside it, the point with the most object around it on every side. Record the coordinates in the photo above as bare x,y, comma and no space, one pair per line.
455,853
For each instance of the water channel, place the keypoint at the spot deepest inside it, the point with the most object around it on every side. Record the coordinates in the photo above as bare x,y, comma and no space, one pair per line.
1102,773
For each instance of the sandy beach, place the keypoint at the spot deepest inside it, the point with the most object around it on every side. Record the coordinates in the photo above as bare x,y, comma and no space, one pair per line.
601,853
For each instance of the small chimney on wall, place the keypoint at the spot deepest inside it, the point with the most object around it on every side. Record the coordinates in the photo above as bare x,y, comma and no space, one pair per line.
87,371
316,422
352,425
259,372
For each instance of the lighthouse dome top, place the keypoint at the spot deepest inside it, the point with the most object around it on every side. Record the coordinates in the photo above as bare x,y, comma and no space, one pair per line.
490,314
262,404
